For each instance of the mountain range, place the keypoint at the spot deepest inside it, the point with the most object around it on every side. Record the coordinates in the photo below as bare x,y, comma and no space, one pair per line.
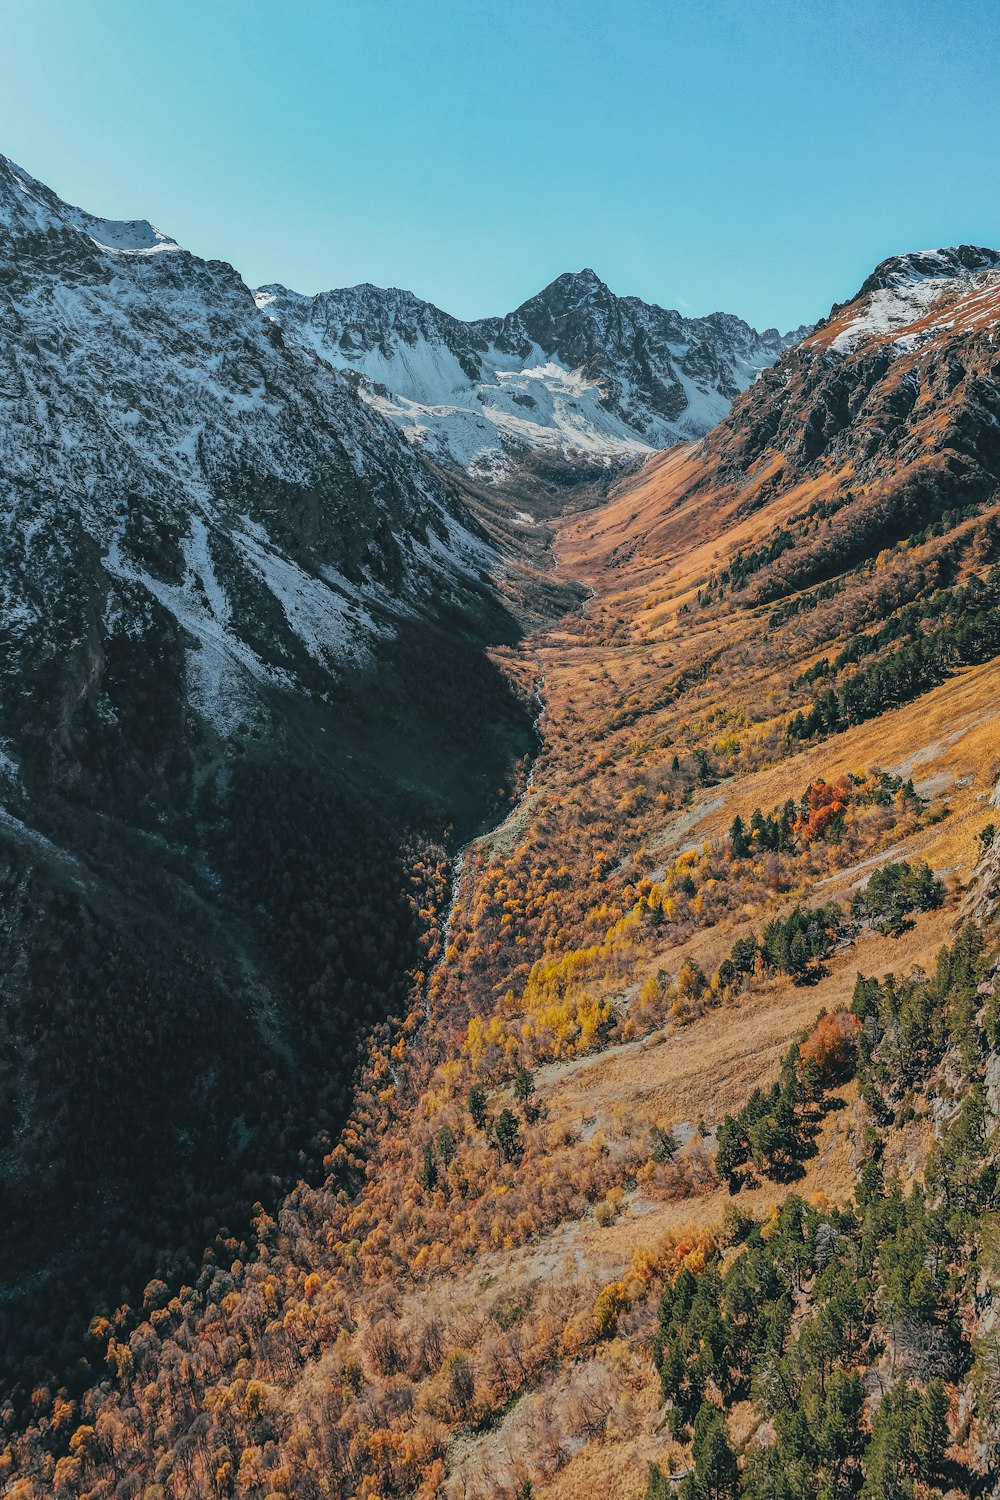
499,985
576,371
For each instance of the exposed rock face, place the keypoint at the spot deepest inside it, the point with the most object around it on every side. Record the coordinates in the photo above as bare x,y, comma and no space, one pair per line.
575,370
145,381
883,422
239,618
893,402
903,271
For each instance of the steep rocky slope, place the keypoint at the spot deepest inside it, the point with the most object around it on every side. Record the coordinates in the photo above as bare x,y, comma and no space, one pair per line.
901,375
783,686
576,373
238,619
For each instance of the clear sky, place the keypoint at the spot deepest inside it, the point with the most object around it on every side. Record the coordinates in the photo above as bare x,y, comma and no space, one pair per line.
757,156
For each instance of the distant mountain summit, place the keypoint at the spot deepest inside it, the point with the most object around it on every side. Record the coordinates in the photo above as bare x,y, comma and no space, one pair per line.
929,265
575,371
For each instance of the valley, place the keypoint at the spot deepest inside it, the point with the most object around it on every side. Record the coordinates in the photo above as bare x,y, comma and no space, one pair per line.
671,1140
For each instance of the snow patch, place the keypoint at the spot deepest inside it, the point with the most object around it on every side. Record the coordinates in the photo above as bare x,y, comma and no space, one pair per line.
126,235
913,288
891,309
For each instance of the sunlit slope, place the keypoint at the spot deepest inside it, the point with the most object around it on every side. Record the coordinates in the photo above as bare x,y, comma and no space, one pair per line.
667,710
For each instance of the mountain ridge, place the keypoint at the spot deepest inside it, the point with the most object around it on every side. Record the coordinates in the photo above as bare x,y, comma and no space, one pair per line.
575,370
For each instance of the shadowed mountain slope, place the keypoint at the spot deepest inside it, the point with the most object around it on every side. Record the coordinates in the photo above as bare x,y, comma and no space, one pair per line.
239,618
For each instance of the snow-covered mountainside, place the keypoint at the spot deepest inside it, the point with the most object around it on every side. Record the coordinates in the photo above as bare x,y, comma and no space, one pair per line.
243,632
222,476
908,298
575,371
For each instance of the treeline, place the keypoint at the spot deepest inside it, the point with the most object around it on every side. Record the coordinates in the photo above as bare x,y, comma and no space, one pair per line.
860,531
811,558
971,638
745,564
820,1309
951,605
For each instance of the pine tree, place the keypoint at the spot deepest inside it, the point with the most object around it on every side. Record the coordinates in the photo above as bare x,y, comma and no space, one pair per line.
429,1171
507,1133
446,1144
931,1430
716,1476
664,1144
524,1085
477,1105
799,955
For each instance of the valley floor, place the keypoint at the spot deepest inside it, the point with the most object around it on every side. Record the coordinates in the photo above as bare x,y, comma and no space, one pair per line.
468,1306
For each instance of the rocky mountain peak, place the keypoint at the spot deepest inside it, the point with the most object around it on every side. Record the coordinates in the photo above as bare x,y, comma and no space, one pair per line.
575,372
900,376
921,265
910,299
28,207
574,287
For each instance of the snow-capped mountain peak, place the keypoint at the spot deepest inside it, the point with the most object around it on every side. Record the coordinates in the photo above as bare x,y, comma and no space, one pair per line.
908,298
142,395
576,371
922,265
28,207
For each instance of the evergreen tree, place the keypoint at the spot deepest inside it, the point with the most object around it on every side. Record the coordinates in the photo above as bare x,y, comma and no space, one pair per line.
429,1171
664,1145
524,1084
716,1475
931,1430
507,1133
889,1460
477,1105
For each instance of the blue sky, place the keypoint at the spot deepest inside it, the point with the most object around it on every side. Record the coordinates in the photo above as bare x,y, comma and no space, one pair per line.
757,156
